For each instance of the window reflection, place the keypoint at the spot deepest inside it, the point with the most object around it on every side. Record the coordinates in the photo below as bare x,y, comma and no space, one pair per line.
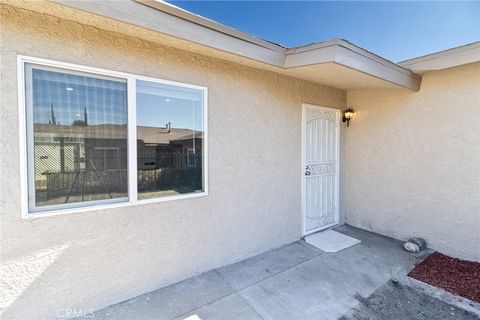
79,136
169,140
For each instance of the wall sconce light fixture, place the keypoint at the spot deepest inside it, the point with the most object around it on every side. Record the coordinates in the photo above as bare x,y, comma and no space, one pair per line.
348,115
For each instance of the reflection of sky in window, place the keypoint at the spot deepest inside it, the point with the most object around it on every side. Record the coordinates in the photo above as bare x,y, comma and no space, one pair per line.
69,95
158,104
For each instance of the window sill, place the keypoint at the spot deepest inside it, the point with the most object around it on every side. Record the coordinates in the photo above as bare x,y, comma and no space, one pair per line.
35,215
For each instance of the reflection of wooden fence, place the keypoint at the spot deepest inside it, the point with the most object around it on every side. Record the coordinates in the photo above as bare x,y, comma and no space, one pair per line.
174,171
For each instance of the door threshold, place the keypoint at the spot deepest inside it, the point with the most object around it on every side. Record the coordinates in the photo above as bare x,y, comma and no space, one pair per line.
323,228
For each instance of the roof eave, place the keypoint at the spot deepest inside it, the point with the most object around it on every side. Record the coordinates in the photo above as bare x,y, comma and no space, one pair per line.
465,54
344,53
175,22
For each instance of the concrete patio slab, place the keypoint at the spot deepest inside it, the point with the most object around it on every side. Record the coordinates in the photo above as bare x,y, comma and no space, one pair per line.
171,301
327,286
296,281
369,239
247,272
312,290
378,254
232,307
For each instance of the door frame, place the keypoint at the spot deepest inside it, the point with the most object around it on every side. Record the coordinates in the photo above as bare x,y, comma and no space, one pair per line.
302,168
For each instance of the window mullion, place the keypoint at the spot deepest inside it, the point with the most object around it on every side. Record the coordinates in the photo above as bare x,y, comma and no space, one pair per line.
132,139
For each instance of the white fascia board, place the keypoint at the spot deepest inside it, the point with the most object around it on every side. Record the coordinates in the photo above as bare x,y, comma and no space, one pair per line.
378,69
172,21
299,58
189,16
346,54
458,56
158,20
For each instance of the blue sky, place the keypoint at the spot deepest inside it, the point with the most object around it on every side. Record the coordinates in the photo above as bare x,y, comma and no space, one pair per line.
394,30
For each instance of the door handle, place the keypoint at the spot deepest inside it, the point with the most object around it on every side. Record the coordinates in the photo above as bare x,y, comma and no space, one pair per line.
307,173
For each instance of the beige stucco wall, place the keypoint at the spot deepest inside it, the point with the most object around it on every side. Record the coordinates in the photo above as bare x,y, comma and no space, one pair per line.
93,259
412,161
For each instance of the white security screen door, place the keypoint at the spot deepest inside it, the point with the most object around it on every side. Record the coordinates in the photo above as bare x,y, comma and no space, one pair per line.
320,172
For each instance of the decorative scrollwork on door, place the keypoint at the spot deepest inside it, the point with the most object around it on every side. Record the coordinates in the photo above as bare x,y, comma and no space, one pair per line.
316,114
322,168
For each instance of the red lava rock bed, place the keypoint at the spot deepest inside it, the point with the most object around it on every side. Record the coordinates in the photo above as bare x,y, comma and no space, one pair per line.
454,275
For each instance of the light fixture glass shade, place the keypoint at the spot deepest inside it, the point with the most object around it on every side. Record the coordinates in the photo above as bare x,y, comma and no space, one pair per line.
348,114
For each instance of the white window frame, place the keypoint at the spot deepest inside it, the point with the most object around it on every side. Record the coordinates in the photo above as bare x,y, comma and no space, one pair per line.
132,139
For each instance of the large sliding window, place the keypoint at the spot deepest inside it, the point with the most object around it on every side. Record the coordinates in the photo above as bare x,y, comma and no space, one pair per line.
88,131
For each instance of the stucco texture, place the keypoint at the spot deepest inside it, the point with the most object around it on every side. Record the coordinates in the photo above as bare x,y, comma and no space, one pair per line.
93,259
412,161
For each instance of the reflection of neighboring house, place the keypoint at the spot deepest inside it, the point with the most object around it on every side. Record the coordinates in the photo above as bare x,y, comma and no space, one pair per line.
158,147
60,148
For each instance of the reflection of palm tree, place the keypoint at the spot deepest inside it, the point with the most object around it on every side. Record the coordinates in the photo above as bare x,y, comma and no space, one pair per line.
85,116
52,116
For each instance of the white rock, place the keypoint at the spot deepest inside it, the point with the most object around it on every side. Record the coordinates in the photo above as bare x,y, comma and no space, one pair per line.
420,242
411,247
